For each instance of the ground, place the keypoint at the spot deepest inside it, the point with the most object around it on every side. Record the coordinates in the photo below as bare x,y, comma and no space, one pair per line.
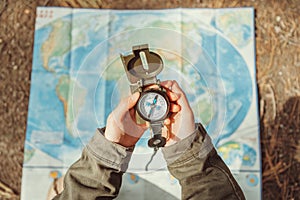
278,77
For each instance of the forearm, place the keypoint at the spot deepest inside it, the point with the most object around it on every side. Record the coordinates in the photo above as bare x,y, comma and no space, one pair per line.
98,173
200,171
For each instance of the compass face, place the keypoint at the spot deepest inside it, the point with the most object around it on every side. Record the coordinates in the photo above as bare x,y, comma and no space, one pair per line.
153,106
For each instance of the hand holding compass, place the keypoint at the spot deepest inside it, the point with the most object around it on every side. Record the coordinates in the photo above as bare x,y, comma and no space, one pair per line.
122,128
180,123
161,104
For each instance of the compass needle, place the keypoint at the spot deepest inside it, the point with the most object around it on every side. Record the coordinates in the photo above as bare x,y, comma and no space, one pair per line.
155,99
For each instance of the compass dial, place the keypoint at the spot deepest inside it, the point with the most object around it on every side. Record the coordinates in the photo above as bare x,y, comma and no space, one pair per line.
153,106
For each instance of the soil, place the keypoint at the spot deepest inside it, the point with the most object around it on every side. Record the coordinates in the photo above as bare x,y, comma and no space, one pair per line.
278,78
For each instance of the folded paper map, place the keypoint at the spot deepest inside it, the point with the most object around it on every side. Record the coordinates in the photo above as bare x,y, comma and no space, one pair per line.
78,78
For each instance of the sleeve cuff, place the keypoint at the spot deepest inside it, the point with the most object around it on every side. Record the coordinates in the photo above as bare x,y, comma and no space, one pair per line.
108,153
197,144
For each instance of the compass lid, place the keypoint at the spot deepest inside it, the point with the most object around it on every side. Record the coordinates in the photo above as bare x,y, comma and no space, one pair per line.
142,64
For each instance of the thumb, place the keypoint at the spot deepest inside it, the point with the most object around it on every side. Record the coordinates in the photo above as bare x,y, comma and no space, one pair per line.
128,102
132,100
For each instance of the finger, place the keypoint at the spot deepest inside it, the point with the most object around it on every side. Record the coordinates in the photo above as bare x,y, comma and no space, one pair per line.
176,88
178,93
167,121
175,108
172,96
166,84
127,103
173,117
154,86
182,101
170,119
133,100
173,86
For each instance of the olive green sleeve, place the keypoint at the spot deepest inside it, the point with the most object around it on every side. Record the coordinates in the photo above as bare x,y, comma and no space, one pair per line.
201,172
98,173
193,161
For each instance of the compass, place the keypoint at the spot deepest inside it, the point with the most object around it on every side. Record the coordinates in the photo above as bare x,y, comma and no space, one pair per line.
142,68
153,105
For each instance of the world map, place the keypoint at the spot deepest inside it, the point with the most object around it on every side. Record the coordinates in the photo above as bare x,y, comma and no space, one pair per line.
78,78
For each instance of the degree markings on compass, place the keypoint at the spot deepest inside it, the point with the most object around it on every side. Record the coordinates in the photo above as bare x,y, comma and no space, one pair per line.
144,61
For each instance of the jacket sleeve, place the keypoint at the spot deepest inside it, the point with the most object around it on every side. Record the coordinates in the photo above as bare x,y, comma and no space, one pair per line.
201,172
98,173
